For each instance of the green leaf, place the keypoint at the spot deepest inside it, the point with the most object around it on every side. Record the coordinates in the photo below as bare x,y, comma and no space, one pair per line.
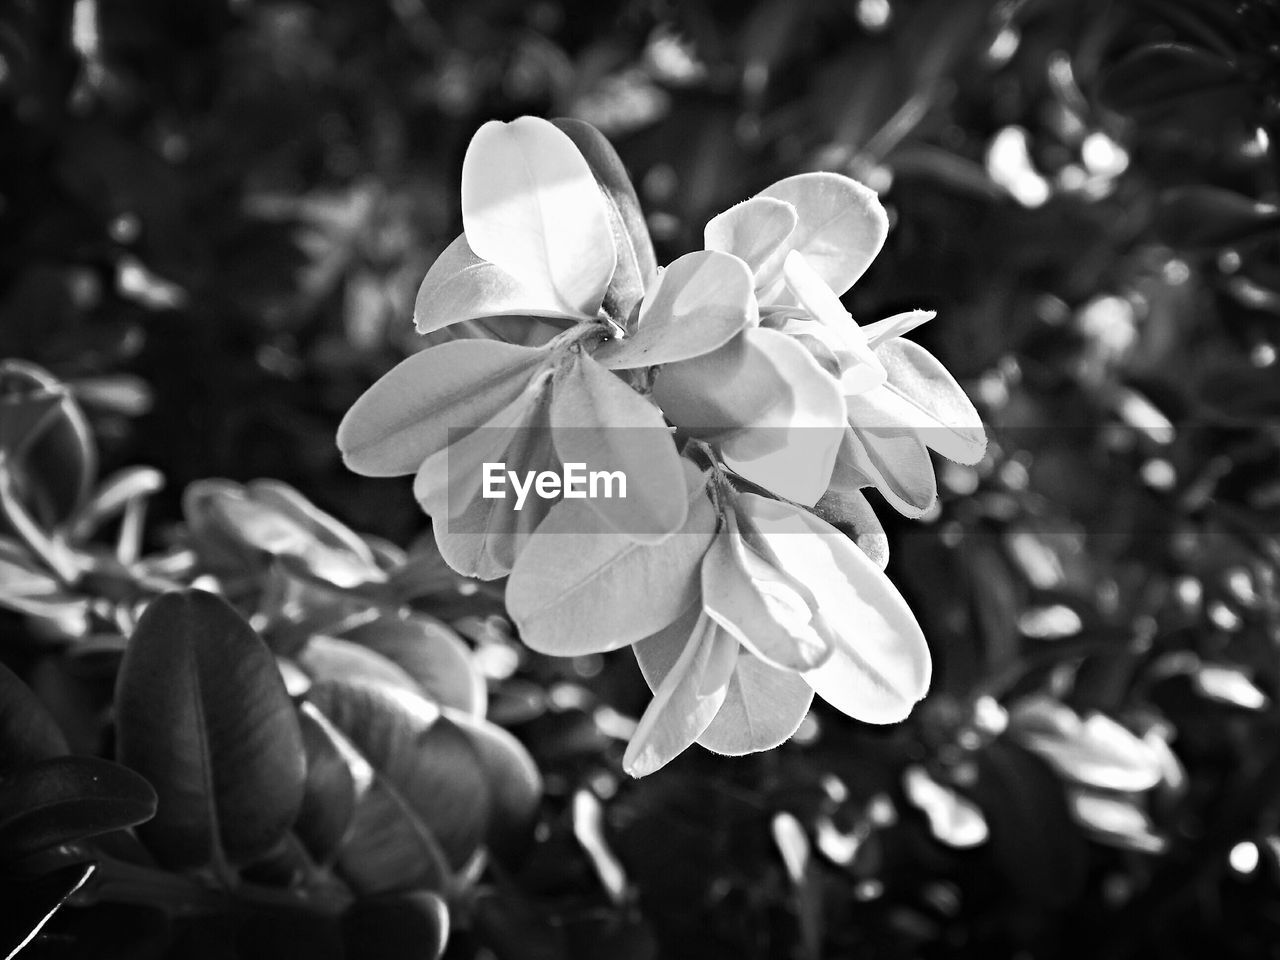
637,265
531,205
27,731
842,226
753,230
460,286
687,699
431,653
600,422
422,403
698,303
880,665
424,757
391,927
65,799
201,712
579,587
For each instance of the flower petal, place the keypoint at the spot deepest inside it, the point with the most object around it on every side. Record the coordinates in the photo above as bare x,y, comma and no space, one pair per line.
600,422
752,230
881,665
842,227
955,429
687,699
763,606
581,587
408,414
697,305
460,286
531,205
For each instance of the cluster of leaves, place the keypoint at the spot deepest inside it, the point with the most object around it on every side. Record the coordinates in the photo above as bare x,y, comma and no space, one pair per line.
739,358
324,778
1082,190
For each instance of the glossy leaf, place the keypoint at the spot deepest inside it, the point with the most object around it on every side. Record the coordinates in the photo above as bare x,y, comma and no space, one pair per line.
337,776
637,265
531,205
330,658
841,227
422,403
581,588
924,393
753,230
763,706
687,699
599,421
761,605
777,416
431,653
460,286
426,760
697,304
64,799
202,713
880,665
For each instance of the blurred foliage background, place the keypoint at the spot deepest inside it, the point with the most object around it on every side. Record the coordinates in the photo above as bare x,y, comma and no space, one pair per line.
214,215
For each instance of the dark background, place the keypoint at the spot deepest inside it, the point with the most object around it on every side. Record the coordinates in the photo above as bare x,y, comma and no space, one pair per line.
214,215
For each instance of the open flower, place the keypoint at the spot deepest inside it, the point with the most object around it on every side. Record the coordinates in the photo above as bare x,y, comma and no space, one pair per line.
547,233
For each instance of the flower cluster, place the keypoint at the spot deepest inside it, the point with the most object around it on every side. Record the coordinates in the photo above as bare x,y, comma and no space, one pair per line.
743,403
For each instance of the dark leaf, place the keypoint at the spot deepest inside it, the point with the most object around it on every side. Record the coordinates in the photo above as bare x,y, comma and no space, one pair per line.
423,756
1160,80
1034,840
27,732
328,805
203,713
396,928
63,799
514,784
1206,217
